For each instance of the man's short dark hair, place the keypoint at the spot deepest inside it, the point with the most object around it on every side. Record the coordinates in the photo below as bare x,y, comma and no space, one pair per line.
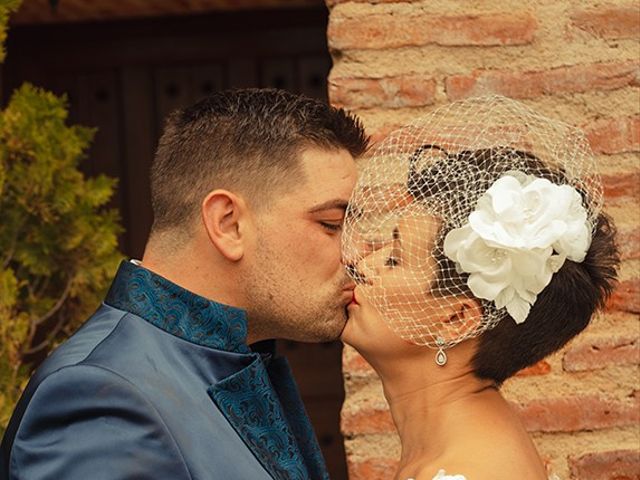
565,306
245,140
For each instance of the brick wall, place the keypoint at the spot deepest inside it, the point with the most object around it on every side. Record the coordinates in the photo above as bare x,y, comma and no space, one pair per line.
575,61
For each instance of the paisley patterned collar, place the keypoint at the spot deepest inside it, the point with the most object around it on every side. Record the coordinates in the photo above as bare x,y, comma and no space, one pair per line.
177,310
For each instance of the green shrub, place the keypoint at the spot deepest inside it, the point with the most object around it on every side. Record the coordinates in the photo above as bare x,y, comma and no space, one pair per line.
58,241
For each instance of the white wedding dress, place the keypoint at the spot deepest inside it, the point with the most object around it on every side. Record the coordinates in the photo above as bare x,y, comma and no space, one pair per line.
441,475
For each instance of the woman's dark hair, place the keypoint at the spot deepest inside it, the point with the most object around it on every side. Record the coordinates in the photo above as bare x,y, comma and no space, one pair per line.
565,307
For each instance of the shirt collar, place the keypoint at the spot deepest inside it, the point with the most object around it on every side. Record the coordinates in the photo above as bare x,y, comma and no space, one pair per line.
176,310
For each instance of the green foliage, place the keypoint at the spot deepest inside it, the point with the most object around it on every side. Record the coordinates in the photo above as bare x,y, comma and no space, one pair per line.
58,243
6,7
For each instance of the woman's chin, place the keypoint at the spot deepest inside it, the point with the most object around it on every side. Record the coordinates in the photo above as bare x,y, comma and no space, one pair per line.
345,336
349,331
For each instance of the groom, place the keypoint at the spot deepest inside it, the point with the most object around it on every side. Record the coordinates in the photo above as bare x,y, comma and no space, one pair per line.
249,189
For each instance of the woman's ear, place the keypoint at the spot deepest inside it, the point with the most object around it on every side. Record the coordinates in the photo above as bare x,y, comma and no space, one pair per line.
464,317
222,214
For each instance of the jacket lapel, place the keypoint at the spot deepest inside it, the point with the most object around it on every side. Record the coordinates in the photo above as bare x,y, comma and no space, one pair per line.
284,443
282,379
250,404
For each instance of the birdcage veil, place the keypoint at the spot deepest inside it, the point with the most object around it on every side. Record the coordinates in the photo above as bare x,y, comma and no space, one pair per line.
485,199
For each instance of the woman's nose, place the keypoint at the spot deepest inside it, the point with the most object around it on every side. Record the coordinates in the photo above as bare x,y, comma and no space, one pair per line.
358,276
363,257
368,268
354,246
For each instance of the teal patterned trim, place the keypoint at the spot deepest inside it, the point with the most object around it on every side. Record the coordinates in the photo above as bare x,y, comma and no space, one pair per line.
250,404
282,379
177,310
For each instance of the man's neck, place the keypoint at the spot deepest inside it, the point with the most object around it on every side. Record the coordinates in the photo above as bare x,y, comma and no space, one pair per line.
203,276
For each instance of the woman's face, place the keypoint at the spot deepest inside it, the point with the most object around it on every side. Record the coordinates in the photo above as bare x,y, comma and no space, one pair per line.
393,300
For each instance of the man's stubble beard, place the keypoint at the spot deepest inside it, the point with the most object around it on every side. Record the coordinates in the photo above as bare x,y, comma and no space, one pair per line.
280,308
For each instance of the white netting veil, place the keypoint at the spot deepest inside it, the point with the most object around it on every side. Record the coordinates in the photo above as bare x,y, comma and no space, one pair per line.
481,199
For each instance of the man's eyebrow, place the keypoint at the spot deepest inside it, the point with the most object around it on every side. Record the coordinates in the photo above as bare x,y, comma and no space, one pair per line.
335,204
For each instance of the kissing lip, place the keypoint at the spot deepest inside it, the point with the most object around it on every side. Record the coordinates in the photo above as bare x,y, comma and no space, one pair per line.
349,294
354,300
349,287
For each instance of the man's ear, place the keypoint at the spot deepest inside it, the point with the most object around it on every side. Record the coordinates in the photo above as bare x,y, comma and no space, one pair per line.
464,316
222,213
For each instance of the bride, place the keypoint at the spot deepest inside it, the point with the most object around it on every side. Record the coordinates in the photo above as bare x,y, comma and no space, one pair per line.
478,244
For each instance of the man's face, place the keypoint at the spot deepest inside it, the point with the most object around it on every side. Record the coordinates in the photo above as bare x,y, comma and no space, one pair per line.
297,285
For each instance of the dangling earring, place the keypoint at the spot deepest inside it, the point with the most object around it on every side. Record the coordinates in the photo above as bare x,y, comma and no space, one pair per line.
441,356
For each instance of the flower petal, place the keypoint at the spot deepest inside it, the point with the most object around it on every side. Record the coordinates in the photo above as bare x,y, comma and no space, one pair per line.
482,288
455,241
518,309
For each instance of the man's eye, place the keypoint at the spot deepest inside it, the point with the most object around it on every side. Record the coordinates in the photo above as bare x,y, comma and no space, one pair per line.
392,261
333,227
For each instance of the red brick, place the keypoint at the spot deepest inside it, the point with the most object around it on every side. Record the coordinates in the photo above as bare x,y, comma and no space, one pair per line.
611,23
602,352
367,421
410,136
381,133
540,368
566,414
573,79
331,3
629,243
621,185
612,465
391,31
587,412
372,469
354,364
626,297
614,135
389,92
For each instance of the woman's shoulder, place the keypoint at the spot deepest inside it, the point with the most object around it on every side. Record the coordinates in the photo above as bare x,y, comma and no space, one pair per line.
517,457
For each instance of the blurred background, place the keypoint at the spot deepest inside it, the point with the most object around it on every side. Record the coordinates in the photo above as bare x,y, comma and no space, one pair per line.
125,65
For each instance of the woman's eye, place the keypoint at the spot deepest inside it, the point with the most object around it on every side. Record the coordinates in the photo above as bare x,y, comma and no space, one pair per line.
333,227
392,261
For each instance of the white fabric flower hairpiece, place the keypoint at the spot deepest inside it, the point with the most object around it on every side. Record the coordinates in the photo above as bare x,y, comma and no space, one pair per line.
521,232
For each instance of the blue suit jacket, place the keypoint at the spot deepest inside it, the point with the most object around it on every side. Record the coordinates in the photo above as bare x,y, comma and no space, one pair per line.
160,384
